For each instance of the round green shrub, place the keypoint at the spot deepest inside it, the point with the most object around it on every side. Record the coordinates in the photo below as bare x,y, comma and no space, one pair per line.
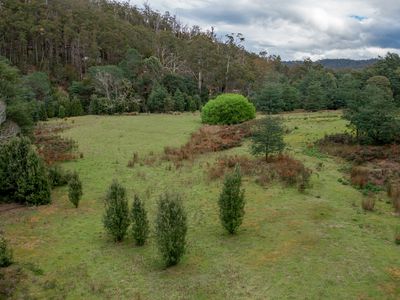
228,109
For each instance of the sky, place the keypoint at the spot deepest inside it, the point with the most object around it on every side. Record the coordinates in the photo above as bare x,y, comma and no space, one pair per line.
297,29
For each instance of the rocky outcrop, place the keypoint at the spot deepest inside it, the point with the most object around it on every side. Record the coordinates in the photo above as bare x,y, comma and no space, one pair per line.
8,130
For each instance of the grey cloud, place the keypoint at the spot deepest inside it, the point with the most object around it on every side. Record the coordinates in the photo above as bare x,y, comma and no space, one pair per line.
296,29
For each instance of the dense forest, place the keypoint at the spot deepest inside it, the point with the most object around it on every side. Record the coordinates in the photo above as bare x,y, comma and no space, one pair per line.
65,58
339,63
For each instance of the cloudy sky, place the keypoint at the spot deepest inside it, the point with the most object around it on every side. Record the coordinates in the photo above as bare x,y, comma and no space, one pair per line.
296,29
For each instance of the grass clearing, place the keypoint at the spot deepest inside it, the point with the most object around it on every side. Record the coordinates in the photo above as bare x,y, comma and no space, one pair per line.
312,245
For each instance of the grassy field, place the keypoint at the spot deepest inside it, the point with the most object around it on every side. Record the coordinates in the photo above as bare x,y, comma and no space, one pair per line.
315,245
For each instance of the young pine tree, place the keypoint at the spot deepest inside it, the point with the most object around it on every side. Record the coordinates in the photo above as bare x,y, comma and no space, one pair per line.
231,202
267,138
74,189
157,99
116,215
140,223
61,111
171,229
179,98
76,108
6,255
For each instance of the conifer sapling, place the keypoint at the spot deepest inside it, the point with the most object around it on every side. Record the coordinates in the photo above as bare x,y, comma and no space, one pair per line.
74,189
140,223
116,215
232,201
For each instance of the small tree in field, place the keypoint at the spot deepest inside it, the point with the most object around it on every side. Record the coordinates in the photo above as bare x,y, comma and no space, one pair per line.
74,189
140,224
232,201
5,253
267,138
397,235
116,215
171,229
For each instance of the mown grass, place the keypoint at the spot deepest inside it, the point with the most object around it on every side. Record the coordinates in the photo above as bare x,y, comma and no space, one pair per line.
313,245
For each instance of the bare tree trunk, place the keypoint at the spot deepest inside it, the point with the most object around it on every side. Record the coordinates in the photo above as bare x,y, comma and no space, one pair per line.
227,73
200,81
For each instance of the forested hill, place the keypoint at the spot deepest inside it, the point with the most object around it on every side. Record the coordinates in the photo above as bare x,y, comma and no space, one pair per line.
339,63
66,37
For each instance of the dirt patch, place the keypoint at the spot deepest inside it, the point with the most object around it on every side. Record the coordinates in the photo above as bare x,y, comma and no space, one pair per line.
5,207
394,273
284,250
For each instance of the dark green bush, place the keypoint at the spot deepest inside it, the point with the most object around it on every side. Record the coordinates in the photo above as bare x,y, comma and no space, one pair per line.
179,99
228,109
74,189
23,176
100,106
374,117
6,255
116,215
157,99
231,202
140,224
23,114
41,111
76,108
397,235
61,111
171,229
269,98
57,176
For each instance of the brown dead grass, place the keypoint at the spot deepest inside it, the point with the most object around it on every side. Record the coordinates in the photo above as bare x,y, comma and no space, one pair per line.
368,203
51,146
10,277
377,165
344,146
209,139
393,192
282,167
362,175
394,273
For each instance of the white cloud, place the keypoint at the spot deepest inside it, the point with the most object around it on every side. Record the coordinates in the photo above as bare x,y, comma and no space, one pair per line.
297,29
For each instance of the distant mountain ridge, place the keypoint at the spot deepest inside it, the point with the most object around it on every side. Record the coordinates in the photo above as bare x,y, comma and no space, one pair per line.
339,63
